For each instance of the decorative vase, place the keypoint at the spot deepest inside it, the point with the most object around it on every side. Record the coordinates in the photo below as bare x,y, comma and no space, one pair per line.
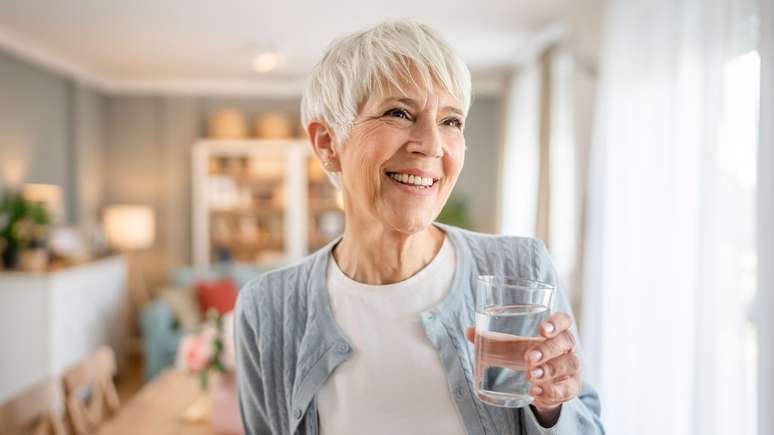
33,260
224,414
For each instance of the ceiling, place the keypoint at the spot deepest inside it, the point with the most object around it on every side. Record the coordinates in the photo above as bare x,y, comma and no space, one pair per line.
207,46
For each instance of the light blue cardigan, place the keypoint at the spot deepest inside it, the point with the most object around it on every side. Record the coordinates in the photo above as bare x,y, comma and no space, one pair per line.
288,342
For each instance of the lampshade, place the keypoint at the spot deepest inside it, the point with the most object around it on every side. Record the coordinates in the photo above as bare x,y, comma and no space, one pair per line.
129,227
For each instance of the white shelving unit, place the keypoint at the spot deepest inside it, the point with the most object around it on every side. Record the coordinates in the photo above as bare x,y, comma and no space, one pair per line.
256,200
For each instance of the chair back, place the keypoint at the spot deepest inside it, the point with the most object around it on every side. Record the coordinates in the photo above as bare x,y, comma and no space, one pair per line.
91,396
36,411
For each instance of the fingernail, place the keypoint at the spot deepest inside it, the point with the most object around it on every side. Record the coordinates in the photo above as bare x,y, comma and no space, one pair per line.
535,356
548,328
536,391
537,373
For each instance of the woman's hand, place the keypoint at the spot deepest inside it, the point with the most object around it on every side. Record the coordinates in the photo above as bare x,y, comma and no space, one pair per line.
554,369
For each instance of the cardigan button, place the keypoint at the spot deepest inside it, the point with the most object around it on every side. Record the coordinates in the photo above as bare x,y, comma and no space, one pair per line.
429,316
344,348
459,392
297,413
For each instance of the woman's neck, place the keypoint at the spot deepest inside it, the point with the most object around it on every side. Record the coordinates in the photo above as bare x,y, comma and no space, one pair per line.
375,255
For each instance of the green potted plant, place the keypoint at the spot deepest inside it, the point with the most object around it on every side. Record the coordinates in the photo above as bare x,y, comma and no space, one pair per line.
23,224
456,212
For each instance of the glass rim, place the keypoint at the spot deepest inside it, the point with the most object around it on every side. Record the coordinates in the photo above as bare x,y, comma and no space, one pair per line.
511,281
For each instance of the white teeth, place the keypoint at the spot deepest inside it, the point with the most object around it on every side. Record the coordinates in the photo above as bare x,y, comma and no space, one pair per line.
412,179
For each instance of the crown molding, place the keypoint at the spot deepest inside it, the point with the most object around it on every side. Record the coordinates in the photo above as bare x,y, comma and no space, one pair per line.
45,58
259,87
484,84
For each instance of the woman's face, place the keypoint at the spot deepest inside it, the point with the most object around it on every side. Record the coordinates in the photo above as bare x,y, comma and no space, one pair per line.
402,158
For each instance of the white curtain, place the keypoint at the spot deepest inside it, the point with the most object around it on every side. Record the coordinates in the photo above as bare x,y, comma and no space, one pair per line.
539,195
765,296
670,261
520,167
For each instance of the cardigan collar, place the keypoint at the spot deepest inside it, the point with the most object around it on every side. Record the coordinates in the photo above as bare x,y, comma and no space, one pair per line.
335,347
318,295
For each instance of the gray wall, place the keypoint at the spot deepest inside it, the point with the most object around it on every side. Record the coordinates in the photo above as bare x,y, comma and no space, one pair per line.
148,160
50,130
478,180
87,157
34,125
106,150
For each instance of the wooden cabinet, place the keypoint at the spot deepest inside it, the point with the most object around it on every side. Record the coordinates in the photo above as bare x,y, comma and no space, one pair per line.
260,201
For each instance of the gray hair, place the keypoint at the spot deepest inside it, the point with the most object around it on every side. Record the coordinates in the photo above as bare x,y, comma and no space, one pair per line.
356,65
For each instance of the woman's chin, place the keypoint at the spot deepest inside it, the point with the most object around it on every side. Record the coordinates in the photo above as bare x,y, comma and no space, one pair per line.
411,224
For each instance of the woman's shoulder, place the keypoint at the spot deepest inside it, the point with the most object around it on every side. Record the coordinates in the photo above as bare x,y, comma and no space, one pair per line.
269,291
506,254
498,243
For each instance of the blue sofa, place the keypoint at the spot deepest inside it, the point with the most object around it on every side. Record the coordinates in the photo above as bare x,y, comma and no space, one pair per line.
161,334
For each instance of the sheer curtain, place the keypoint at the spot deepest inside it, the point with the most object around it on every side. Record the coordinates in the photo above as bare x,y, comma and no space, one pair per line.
539,194
670,262
765,296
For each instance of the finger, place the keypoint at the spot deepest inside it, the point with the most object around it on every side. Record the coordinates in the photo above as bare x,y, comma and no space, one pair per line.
554,393
550,349
555,325
560,367
470,334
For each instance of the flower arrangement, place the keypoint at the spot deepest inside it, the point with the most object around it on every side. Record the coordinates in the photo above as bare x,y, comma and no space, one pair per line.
211,349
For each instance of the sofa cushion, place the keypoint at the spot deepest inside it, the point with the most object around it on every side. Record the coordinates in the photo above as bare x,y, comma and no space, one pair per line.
184,305
220,295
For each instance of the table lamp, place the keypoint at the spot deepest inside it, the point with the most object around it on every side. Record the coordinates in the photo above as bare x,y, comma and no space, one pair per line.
129,229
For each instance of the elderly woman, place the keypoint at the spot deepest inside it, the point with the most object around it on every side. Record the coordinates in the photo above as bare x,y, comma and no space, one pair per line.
371,334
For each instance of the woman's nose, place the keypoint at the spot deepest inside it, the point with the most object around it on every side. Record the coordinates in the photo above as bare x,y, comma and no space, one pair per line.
427,139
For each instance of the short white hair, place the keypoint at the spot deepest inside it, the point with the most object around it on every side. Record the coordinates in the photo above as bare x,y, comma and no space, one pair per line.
356,65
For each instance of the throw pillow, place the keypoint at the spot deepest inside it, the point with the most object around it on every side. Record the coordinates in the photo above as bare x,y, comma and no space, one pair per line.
220,295
184,305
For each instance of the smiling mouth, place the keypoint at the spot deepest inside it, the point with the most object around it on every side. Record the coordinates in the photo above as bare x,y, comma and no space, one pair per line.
414,181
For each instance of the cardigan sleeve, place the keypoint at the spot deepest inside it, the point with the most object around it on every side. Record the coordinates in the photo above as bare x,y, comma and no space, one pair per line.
250,383
581,415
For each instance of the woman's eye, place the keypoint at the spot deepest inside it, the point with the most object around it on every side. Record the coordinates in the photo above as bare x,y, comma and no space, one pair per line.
398,113
453,122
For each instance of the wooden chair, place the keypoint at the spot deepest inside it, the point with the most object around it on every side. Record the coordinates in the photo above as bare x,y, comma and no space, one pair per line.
91,396
36,411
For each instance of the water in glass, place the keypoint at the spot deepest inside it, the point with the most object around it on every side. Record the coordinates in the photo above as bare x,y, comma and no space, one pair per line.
503,335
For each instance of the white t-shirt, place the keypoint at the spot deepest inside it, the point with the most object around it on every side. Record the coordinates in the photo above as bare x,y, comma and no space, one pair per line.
394,382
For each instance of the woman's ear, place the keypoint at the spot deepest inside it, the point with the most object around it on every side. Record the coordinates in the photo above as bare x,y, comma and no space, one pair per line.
322,141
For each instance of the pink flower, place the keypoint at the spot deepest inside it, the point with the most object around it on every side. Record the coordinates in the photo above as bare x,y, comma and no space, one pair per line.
195,352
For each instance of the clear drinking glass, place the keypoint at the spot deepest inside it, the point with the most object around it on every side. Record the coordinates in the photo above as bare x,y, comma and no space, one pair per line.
509,311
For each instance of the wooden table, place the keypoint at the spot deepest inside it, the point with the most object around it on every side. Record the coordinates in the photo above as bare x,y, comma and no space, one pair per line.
158,409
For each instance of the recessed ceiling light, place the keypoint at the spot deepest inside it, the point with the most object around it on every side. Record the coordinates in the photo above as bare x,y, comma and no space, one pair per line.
265,62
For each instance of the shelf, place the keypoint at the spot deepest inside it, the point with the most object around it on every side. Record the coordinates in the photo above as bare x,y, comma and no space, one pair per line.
250,246
249,180
257,212
272,190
